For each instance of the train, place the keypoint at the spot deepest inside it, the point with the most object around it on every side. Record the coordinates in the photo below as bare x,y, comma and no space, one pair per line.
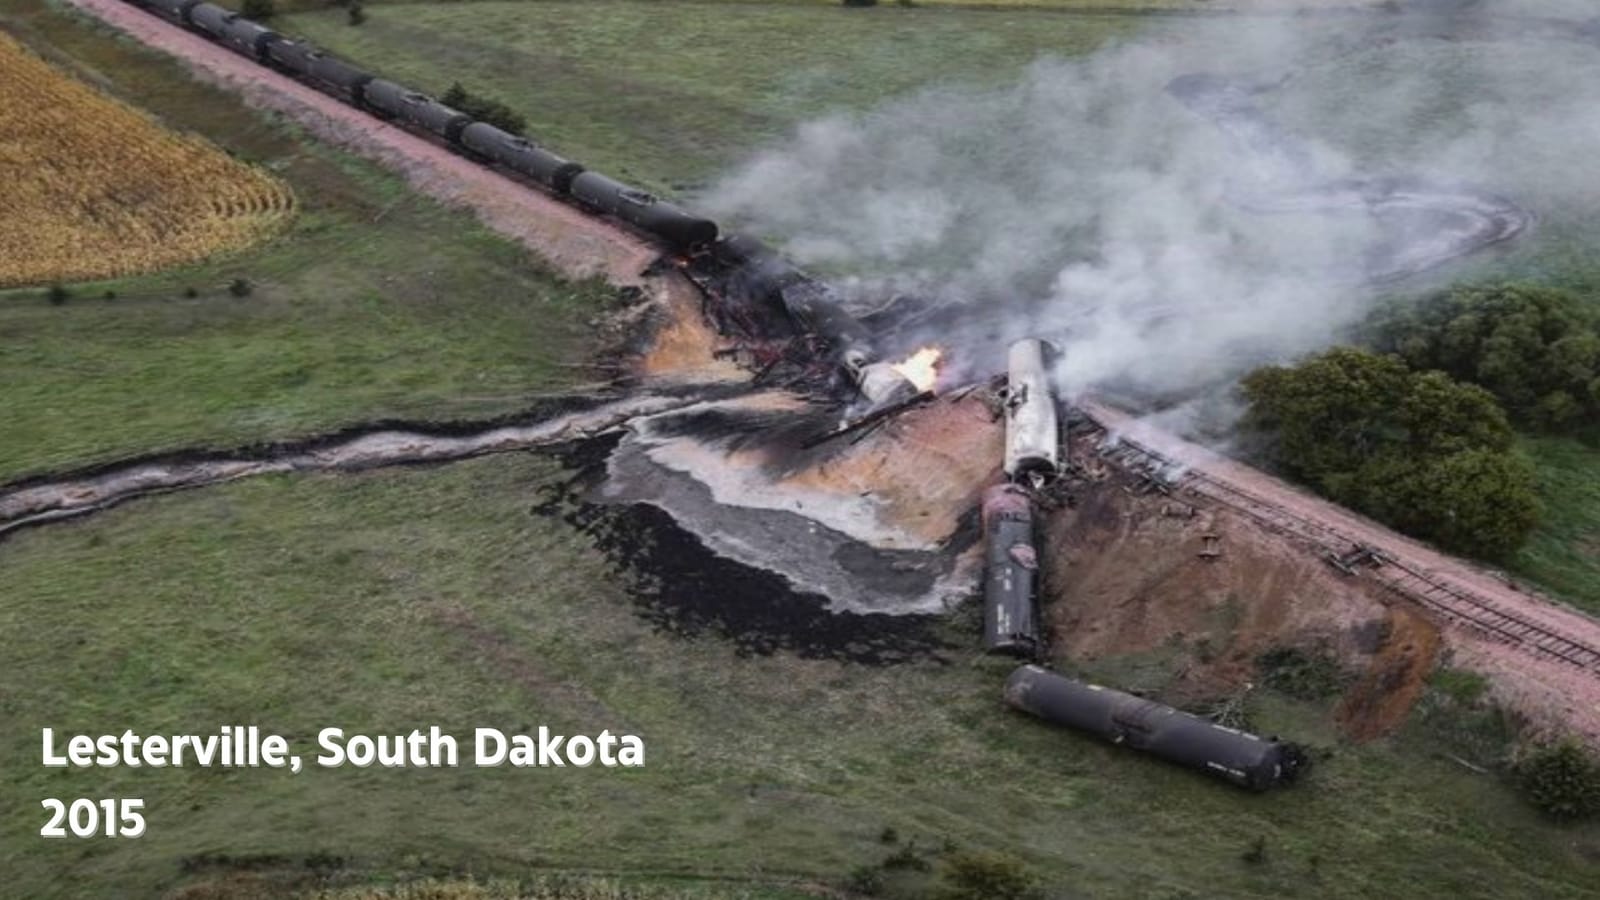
674,227
796,301
1237,757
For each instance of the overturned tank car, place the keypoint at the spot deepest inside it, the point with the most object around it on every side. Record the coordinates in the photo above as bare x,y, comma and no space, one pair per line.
1235,756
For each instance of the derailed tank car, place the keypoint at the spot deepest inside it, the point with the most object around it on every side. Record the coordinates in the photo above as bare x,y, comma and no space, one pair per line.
1033,434
1011,569
1235,756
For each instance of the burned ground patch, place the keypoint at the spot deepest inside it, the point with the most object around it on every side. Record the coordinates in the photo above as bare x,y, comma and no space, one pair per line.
682,587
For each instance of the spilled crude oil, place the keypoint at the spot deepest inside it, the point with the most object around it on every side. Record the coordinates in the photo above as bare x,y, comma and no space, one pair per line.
682,587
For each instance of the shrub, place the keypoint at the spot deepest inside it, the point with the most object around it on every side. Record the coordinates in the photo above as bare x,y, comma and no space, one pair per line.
1423,453
1562,780
485,109
240,287
1305,674
867,881
57,295
260,10
985,876
356,15
858,2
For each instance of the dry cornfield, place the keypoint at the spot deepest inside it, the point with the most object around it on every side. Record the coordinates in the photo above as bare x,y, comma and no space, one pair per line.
91,188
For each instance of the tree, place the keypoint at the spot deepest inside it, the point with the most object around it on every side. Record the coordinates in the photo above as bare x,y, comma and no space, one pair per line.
1562,780
260,10
1425,454
1537,349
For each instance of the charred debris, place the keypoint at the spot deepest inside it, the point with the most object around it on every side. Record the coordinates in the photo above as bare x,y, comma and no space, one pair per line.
793,331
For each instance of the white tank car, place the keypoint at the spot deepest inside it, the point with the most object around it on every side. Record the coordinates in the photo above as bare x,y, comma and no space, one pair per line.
1033,438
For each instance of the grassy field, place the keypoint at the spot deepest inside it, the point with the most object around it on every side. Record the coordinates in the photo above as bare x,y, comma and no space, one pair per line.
666,93
399,599
374,303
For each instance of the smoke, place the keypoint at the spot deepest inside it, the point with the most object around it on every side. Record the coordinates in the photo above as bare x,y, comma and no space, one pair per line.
1170,235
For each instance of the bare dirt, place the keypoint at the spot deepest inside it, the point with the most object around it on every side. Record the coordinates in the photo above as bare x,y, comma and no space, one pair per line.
1555,695
1200,593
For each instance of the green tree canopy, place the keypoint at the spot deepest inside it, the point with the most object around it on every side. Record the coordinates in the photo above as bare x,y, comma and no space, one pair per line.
1417,450
1535,348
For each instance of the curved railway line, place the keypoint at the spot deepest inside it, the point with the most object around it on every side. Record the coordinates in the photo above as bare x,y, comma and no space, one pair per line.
1454,602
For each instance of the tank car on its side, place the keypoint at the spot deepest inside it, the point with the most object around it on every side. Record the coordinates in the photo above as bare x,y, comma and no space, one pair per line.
520,155
1011,569
1235,756
1033,434
414,108
677,228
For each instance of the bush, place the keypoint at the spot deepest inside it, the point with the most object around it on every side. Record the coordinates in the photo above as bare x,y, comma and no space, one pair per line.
1562,780
57,295
1536,349
485,109
985,876
858,2
240,287
260,10
867,881
1300,673
356,15
1417,450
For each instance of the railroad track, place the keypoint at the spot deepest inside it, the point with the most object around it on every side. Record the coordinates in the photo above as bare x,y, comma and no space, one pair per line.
1448,600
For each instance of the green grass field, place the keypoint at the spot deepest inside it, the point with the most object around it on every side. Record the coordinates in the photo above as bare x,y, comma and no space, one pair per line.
404,598
667,93
376,303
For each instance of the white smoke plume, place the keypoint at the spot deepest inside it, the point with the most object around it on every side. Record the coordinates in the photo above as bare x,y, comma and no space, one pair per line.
1166,246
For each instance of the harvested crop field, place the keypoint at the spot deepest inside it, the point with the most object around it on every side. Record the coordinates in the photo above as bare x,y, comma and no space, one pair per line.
95,189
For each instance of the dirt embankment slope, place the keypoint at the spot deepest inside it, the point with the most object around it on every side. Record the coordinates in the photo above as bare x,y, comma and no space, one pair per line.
1122,561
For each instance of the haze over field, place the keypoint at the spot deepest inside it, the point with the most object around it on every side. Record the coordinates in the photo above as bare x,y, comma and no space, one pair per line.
1085,202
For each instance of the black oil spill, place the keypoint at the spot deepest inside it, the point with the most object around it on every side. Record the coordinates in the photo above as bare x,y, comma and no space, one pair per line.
681,587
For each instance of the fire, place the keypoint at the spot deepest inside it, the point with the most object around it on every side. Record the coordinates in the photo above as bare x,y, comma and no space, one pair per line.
921,368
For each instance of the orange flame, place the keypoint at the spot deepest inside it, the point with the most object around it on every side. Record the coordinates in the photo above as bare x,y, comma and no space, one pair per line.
921,368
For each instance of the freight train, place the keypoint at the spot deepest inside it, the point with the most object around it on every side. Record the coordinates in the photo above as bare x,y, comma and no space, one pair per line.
677,229
802,303
1235,756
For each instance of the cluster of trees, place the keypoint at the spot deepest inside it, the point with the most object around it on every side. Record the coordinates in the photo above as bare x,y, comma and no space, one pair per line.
1415,449
1537,349
485,109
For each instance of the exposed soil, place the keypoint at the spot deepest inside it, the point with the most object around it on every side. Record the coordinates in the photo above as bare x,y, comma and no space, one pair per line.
1395,676
1552,693
1127,575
